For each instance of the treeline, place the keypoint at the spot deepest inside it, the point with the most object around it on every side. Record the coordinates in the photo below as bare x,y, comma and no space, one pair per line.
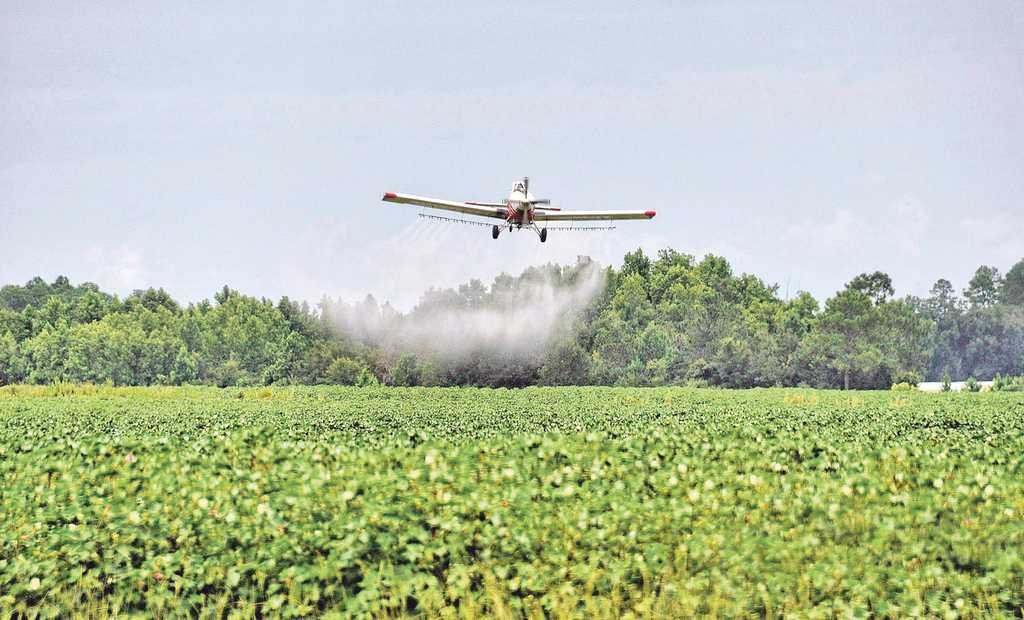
665,320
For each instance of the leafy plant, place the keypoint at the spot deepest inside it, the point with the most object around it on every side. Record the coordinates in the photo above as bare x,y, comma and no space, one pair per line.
561,502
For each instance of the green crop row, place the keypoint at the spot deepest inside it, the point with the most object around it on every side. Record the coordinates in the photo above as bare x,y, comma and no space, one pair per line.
560,502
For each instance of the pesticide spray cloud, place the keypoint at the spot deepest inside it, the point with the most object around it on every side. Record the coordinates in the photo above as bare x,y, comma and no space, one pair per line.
516,317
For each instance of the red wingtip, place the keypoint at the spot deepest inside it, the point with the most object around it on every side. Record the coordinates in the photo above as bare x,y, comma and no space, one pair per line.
649,213
390,195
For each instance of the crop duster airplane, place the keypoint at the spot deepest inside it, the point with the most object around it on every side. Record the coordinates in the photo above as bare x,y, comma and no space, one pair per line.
520,210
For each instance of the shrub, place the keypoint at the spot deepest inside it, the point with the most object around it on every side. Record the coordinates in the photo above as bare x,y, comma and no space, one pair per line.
348,371
909,377
1007,384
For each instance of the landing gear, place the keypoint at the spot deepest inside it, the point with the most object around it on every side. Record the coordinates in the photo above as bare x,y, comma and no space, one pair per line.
541,232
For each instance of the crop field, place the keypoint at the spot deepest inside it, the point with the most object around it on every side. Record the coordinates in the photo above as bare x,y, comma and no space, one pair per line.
542,502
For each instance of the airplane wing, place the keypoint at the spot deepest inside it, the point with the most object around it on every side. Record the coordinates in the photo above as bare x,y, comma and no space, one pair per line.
564,216
482,209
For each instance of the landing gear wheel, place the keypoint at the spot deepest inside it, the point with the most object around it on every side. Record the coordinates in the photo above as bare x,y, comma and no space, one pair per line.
495,231
543,235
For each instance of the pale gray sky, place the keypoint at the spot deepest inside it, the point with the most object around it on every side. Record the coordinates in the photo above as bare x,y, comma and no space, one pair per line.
194,145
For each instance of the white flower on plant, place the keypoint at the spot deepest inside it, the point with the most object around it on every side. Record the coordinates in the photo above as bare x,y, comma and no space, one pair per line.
34,584
134,517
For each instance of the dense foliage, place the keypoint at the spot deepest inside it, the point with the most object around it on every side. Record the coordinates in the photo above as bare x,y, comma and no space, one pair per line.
670,320
591,502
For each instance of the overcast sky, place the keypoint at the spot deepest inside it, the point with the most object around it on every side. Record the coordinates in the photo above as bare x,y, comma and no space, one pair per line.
194,145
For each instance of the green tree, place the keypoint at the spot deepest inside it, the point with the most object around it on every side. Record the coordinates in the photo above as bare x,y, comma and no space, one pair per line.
224,294
1012,291
152,299
863,334
990,340
286,365
636,263
229,373
877,286
46,355
983,289
841,332
846,334
92,306
795,323
945,310
406,371
36,292
652,322
185,367
565,363
251,332
12,367
904,337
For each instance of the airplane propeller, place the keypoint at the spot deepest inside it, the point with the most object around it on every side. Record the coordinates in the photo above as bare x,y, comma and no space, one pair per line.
537,201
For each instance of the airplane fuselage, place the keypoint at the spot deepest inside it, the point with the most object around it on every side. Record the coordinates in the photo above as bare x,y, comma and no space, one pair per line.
518,206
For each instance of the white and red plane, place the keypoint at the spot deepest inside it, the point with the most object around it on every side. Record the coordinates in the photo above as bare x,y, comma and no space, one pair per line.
520,210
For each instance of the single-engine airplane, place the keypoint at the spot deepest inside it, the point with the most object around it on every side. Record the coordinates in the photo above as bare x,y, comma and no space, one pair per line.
520,210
